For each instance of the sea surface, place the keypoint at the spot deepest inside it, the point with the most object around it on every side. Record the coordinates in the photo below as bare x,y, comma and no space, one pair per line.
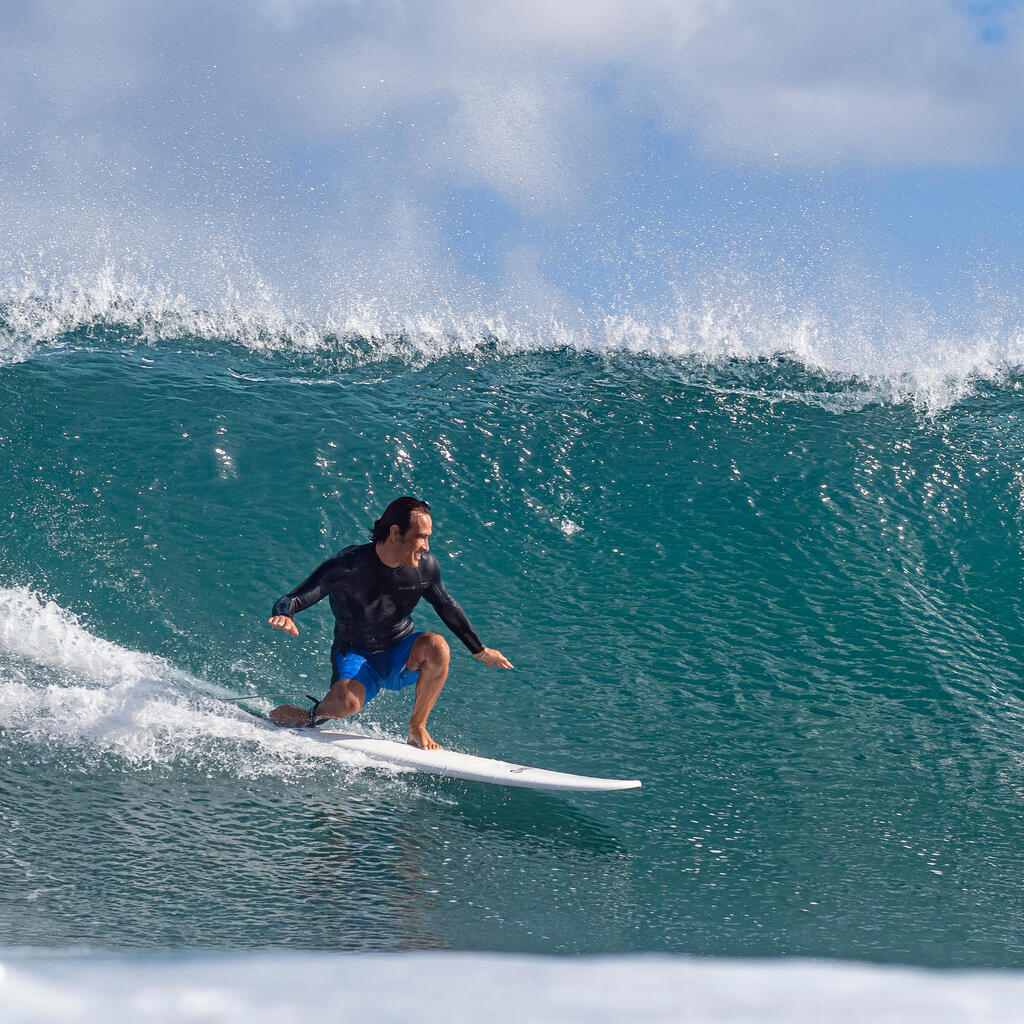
787,596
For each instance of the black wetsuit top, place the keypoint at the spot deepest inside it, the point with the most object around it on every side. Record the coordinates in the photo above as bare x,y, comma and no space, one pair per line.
372,602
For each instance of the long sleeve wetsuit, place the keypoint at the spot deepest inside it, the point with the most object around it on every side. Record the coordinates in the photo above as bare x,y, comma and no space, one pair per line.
372,602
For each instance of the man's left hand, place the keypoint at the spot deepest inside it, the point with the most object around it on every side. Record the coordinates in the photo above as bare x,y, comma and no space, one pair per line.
493,658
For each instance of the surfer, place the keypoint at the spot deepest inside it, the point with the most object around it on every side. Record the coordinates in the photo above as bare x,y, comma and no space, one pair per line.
373,589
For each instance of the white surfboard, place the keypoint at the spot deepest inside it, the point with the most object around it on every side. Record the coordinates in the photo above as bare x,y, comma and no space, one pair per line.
468,766
455,765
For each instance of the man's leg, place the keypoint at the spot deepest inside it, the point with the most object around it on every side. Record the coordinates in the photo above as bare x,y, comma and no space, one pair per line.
430,656
345,698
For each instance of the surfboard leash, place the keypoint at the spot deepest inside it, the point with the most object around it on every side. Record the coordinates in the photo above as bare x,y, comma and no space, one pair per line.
314,718
250,696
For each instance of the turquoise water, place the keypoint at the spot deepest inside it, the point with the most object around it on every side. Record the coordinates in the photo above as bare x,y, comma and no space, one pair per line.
787,599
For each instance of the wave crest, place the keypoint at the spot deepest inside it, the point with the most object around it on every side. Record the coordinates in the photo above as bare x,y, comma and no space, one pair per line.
913,357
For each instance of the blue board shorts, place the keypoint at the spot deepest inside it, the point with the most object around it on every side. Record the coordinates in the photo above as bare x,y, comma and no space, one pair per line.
380,670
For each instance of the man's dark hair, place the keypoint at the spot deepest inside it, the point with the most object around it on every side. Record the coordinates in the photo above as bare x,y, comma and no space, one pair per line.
399,513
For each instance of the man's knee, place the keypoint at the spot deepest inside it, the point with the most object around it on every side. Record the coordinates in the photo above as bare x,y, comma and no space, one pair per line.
343,699
431,648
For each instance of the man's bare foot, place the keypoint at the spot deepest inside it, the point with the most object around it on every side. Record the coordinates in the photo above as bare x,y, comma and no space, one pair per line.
419,737
289,714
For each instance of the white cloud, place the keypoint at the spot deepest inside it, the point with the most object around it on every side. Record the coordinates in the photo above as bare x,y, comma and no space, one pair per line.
873,82
510,86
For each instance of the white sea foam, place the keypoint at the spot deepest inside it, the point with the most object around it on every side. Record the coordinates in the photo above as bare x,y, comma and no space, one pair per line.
456,987
65,687
907,355
40,630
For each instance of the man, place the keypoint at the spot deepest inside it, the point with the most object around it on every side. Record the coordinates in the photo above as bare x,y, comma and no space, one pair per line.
373,589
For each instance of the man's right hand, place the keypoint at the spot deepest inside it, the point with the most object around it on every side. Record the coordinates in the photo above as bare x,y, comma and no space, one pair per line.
284,622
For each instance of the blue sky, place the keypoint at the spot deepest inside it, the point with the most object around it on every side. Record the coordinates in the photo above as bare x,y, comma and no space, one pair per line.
620,158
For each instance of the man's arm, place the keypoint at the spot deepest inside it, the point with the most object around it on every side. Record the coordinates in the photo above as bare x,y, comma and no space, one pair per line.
322,581
452,615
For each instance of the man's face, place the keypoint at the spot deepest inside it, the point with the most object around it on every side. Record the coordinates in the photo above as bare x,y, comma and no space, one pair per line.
415,542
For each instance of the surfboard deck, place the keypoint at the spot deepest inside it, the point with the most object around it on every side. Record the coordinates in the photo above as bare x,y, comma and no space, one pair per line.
456,765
